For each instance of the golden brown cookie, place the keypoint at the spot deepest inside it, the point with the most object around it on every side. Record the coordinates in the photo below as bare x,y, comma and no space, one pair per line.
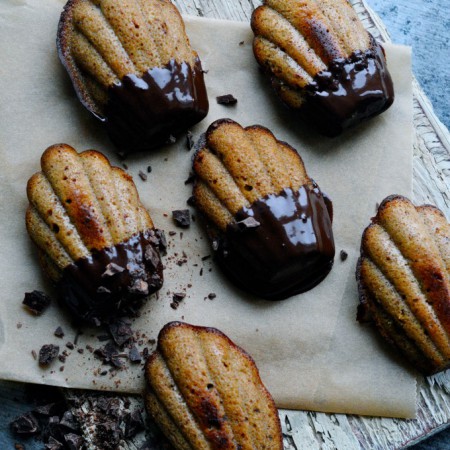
322,62
269,223
205,392
132,66
404,281
96,240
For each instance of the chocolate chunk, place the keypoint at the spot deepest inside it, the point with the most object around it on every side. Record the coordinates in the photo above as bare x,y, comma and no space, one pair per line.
189,140
112,269
134,356
178,297
182,218
162,240
53,444
36,302
121,331
134,423
149,169
70,345
212,296
59,332
227,99
343,255
74,441
139,286
152,256
245,224
142,176
25,425
47,354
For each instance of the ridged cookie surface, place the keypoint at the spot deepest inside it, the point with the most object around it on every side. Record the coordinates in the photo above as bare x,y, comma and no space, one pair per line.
322,61
132,66
206,393
404,281
269,223
96,239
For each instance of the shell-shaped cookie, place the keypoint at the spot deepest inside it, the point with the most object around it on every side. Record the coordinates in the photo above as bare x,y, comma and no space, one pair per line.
269,223
96,240
321,61
205,392
132,66
404,281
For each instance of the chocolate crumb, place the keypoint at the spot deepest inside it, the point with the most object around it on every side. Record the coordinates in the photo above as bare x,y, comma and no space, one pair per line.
212,296
149,169
343,255
142,176
47,354
36,302
204,258
182,218
59,332
62,358
178,296
201,272
70,345
241,43
61,369
80,351
18,325
227,99
34,354
189,140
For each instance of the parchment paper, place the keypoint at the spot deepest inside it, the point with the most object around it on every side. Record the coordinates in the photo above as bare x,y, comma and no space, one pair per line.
311,352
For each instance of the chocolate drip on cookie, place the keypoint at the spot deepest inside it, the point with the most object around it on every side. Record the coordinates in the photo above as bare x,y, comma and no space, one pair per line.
113,280
281,245
350,91
144,112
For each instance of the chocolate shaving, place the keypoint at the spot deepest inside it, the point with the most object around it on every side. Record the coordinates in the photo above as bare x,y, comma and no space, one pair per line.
182,218
36,302
227,99
47,354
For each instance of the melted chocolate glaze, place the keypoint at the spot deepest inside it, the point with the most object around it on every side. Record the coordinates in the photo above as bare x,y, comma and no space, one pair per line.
281,245
114,280
144,112
350,91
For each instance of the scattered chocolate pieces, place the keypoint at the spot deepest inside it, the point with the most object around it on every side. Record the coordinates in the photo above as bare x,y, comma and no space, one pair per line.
227,99
59,332
343,255
47,354
36,302
25,425
142,176
182,218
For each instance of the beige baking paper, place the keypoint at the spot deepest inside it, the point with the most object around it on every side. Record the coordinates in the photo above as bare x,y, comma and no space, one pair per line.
311,352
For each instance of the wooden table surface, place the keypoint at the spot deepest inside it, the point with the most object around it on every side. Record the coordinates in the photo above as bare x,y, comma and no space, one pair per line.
409,22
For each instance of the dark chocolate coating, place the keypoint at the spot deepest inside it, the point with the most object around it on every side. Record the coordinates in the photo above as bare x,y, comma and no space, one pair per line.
114,280
281,245
351,91
144,112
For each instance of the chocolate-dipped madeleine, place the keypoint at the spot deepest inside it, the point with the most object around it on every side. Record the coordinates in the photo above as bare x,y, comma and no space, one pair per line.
322,62
96,240
269,223
404,281
206,393
132,66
